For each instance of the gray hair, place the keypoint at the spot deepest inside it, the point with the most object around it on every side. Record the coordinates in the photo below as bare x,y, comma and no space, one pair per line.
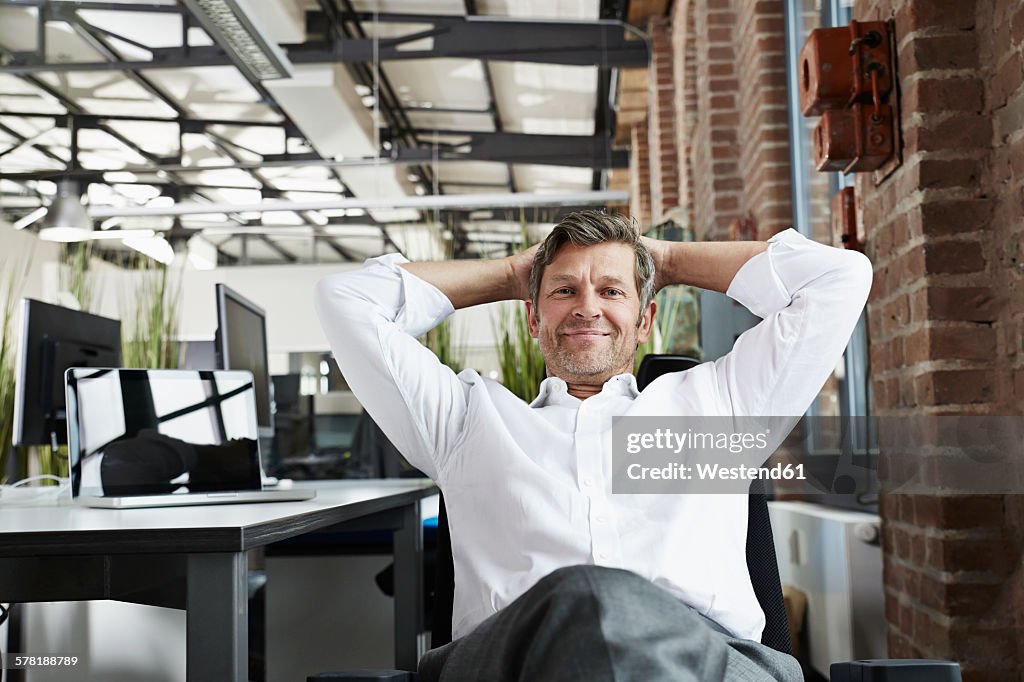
590,228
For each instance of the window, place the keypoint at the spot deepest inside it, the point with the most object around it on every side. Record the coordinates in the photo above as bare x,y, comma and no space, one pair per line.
846,395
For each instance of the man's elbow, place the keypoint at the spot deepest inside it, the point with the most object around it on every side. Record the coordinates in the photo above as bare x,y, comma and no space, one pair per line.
861,273
324,291
329,296
322,294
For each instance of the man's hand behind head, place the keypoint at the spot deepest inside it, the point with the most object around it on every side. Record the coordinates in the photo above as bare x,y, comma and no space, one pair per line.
657,248
521,264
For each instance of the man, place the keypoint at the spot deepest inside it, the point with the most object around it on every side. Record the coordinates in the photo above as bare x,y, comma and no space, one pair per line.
555,577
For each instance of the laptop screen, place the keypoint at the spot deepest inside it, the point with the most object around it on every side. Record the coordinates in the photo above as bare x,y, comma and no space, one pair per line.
151,432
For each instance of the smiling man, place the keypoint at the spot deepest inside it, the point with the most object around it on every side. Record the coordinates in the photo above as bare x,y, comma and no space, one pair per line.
594,308
555,576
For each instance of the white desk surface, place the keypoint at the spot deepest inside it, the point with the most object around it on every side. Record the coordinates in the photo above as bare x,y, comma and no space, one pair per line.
65,528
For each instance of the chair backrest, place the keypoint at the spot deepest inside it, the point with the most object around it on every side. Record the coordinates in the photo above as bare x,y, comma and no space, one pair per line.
444,583
654,365
760,549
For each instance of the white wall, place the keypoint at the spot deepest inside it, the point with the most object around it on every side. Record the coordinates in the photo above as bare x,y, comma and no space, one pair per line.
18,247
284,291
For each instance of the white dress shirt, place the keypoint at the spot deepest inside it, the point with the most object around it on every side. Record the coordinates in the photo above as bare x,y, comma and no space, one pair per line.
528,487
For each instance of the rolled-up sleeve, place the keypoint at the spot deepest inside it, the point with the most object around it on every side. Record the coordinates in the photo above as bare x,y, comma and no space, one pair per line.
372,317
810,297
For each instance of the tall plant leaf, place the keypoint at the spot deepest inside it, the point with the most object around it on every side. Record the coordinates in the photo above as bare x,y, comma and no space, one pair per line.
519,358
14,273
74,276
149,338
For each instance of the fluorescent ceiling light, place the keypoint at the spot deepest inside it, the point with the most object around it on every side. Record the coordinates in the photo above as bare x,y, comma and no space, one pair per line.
509,200
63,234
254,53
201,253
35,215
156,248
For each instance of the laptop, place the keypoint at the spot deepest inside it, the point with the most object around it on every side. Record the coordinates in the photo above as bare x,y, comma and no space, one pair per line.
159,438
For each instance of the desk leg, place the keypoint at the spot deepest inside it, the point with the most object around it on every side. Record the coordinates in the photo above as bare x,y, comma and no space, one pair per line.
217,631
408,548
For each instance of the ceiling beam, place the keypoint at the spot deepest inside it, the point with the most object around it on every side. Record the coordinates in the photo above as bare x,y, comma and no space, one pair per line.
495,111
101,6
600,43
281,251
581,151
590,151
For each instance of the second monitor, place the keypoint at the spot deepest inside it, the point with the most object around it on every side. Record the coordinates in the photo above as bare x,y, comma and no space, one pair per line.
242,344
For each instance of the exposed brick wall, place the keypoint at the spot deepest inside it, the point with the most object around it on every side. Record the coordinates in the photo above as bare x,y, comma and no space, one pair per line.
640,175
730,115
661,122
684,73
763,125
946,317
717,184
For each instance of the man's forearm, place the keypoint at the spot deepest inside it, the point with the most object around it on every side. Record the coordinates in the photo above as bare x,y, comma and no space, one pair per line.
708,265
469,282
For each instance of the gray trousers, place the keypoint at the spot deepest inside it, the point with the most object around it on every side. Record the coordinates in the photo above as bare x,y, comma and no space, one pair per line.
591,623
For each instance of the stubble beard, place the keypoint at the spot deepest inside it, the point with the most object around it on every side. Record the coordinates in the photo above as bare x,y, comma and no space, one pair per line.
585,364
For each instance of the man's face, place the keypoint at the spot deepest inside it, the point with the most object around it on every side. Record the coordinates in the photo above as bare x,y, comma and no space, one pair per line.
587,311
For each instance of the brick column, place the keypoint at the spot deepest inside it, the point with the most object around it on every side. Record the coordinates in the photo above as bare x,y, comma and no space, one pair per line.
763,124
640,175
945,234
718,183
684,74
661,120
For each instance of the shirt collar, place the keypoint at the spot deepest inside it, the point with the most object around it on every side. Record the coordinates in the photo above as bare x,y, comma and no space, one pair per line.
554,391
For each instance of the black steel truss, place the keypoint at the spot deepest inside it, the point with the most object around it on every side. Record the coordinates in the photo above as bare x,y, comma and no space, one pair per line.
503,147
602,43
343,39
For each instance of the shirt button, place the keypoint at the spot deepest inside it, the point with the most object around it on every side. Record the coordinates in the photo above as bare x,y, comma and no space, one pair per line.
602,519
603,556
588,481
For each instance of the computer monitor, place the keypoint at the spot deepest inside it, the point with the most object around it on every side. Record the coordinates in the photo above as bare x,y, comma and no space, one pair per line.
242,344
52,340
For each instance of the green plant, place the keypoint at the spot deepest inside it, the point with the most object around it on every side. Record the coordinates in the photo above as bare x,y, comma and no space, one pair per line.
519,358
148,338
677,322
6,375
14,274
74,276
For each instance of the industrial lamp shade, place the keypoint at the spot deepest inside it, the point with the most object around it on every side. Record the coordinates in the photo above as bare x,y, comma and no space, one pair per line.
66,220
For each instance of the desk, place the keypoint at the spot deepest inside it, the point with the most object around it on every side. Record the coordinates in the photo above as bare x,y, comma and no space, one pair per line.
194,558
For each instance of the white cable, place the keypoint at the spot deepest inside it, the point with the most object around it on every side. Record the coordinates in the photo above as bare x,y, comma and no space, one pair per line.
40,493
40,477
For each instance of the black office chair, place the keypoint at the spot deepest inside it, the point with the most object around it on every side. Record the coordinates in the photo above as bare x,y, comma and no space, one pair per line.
761,564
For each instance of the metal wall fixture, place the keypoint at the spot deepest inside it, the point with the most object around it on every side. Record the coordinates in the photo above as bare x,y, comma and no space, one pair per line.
847,78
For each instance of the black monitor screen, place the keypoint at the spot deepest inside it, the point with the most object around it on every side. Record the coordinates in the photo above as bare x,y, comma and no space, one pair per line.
242,344
54,339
